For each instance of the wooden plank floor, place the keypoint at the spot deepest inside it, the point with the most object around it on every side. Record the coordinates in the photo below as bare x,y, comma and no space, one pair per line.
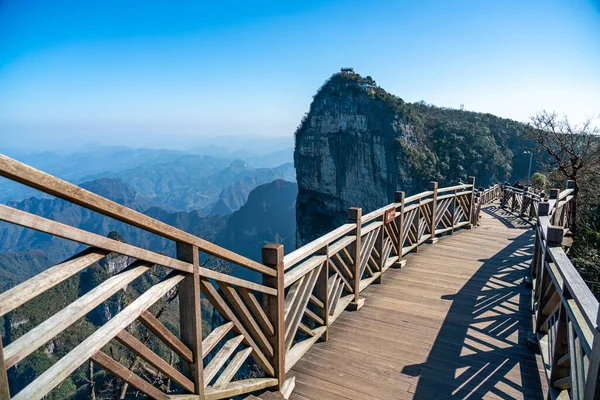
452,323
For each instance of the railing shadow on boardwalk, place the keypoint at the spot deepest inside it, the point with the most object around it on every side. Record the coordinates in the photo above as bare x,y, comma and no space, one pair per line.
510,220
484,335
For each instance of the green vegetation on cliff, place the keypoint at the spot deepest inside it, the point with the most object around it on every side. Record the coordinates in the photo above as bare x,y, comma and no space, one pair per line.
358,144
440,144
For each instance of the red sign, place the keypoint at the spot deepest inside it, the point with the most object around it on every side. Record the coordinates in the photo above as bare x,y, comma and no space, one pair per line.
389,216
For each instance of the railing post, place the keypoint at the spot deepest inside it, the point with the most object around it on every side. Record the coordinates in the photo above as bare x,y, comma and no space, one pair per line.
525,191
190,320
553,196
592,388
4,388
571,222
478,201
537,249
471,181
531,209
453,211
539,254
417,224
554,236
399,198
322,292
513,200
379,246
561,346
433,225
354,215
272,256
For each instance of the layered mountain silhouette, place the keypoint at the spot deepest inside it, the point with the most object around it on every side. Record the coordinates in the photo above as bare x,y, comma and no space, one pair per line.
268,216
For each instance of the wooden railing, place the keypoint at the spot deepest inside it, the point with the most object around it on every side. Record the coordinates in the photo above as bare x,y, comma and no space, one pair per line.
327,275
251,311
566,311
525,202
274,322
485,196
521,201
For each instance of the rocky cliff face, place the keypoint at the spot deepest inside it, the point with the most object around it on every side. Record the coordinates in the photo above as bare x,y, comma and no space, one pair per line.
349,153
358,144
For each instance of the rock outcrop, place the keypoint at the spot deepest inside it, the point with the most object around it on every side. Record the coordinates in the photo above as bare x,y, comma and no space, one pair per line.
358,144
349,153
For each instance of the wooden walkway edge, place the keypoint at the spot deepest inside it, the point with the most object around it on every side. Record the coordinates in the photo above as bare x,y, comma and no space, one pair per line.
452,323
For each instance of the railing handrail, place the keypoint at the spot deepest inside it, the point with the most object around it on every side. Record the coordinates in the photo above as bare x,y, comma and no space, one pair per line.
22,173
329,272
254,322
566,311
299,254
310,248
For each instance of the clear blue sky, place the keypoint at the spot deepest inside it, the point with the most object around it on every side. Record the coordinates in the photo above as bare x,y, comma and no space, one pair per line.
126,68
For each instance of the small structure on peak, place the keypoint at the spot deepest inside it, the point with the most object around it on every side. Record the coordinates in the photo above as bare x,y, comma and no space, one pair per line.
347,70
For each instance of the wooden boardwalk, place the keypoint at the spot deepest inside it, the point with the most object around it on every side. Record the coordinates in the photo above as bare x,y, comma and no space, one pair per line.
452,323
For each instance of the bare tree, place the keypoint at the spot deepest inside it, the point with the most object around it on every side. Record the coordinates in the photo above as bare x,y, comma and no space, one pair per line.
574,150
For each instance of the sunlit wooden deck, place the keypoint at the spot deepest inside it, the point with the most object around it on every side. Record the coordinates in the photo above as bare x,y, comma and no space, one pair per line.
452,323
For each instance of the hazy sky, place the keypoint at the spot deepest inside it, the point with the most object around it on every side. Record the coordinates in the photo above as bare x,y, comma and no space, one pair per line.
123,71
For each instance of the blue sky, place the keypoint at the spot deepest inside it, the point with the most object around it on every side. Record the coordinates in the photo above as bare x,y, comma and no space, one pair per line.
125,71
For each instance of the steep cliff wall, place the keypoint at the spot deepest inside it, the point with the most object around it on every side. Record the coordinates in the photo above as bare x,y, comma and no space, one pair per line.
358,144
349,153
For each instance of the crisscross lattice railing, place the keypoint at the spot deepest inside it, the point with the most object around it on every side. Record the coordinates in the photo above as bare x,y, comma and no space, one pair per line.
266,327
566,311
326,276
210,365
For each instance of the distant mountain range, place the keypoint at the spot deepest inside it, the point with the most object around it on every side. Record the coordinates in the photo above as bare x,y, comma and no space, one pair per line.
268,216
235,195
170,179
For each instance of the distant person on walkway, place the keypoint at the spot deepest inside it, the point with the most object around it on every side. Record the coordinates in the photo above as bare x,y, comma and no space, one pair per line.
519,185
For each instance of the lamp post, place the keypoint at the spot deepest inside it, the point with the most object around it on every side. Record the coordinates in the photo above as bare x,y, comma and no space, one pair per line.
530,161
